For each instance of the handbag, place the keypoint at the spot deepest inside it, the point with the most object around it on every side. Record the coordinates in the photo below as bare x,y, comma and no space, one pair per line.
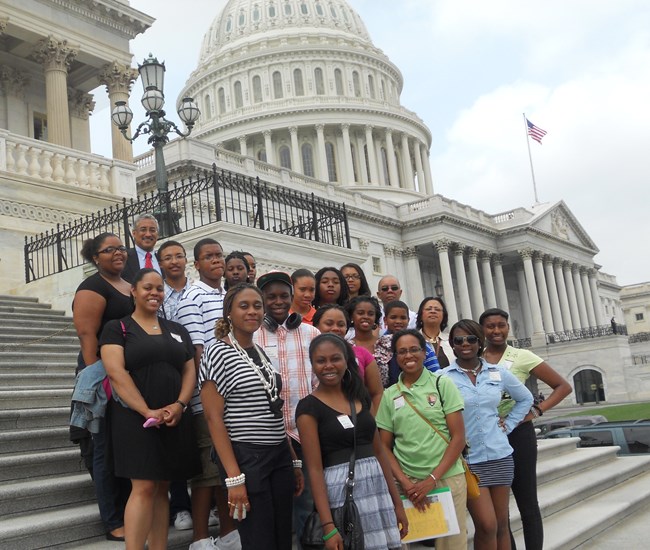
346,518
472,479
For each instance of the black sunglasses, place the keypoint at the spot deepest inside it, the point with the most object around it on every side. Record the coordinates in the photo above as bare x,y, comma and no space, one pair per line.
460,340
394,288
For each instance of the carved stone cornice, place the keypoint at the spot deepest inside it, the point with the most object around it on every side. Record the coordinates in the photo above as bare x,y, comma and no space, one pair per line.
54,53
81,103
37,213
117,77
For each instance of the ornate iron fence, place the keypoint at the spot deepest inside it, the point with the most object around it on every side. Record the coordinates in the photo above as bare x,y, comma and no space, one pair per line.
639,337
582,333
211,196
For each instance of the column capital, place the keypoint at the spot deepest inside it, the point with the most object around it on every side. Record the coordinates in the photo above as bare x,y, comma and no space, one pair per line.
592,272
117,77
293,130
363,244
584,270
548,259
485,256
319,128
575,268
242,139
54,53
389,131
13,81
267,133
81,103
369,127
389,250
3,24
409,252
458,249
472,252
567,265
526,253
443,245
497,259
538,256
345,126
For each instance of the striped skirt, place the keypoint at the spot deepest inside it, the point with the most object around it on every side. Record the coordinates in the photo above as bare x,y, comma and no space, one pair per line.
494,472
372,498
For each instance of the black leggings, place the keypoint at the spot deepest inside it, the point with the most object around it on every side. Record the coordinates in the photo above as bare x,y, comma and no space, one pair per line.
524,485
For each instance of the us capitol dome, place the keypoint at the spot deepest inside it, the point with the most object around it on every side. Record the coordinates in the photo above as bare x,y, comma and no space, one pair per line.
299,84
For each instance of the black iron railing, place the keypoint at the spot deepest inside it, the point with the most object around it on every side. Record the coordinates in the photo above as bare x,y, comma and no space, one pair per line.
583,333
639,337
521,343
211,196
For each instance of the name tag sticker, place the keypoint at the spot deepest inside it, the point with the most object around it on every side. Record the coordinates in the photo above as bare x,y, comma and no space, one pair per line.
495,375
507,364
176,337
399,402
345,421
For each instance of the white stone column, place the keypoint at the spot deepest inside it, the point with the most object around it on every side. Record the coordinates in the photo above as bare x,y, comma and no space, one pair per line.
488,282
118,80
389,254
415,292
296,161
347,154
372,158
56,57
571,294
406,163
525,303
418,168
361,160
475,293
553,294
598,305
531,285
322,154
268,145
390,154
565,308
500,283
243,146
580,296
461,279
427,171
442,247
547,316
589,304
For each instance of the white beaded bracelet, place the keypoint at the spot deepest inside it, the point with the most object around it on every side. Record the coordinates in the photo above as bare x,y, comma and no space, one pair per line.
236,481
297,463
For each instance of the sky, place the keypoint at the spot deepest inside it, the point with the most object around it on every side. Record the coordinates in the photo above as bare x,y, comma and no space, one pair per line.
579,70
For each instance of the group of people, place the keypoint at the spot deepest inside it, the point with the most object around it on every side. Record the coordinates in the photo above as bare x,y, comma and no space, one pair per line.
255,392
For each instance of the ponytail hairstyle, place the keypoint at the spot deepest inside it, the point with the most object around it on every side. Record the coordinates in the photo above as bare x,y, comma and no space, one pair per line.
223,326
90,247
351,383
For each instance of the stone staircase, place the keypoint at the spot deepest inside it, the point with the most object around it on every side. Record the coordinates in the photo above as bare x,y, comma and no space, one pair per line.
47,497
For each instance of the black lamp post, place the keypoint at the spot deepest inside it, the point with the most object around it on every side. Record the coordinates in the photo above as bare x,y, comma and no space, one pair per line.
439,289
157,126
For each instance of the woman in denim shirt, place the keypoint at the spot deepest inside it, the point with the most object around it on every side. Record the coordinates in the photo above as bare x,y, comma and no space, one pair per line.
490,455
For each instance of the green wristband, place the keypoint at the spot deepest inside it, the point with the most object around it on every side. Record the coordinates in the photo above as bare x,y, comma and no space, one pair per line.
330,534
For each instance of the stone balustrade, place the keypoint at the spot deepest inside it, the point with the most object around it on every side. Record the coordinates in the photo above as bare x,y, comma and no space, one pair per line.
49,163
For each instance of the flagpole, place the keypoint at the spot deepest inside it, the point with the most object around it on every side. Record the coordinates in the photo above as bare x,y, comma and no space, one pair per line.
530,158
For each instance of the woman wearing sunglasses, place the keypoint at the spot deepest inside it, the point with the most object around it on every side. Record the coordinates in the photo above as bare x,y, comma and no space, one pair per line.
490,455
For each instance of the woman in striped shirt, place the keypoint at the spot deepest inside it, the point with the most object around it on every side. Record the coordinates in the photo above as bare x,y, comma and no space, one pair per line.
240,392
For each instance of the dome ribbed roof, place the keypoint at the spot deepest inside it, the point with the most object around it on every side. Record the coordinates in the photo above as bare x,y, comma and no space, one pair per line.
242,20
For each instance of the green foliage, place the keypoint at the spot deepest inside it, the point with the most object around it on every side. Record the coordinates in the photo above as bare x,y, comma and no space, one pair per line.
613,413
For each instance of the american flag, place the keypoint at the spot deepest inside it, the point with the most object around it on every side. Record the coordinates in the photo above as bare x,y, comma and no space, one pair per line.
535,132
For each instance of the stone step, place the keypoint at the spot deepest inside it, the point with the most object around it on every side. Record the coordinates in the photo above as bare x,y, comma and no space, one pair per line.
568,464
553,448
33,399
27,356
29,379
28,330
19,419
627,533
40,439
23,304
14,322
31,337
44,348
20,466
12,298
34,495
575,525
15,366
26,311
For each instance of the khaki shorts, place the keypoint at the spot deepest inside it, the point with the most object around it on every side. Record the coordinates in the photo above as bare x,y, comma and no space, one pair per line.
210,476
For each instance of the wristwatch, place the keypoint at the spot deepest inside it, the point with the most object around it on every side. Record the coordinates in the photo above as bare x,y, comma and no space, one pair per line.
184,405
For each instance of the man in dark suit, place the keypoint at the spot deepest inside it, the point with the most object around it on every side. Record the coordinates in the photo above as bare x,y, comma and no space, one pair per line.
145,236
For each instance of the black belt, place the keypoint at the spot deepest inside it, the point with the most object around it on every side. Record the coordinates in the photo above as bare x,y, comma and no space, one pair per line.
342,456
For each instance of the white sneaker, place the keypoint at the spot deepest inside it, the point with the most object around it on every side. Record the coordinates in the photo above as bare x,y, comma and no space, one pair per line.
213,518
230,542
204,544
183,521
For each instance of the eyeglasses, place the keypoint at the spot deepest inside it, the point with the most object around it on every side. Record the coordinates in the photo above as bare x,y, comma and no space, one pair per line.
408,351
352,277
178,258
460,340
210,257
394,288
112,250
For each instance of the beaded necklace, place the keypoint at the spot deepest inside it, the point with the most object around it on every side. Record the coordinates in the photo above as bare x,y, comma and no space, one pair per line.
270,385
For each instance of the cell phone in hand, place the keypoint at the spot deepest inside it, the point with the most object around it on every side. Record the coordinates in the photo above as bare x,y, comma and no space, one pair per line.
149,422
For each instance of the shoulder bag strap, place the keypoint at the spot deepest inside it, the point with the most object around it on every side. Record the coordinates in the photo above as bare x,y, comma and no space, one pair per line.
408,402
349,484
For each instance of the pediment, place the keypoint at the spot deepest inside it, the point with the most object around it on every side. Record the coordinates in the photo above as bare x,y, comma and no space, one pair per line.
559,221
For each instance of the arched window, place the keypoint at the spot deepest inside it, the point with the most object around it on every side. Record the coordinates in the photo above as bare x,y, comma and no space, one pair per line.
221,94
307,159
277,85
272,11
333,11
299,88
304,8
353,152
371,86
338,80
288,10
285,157
331,162
239,101
242,18
384,164
207,107
257,89
318,78
256,13
229,24
261,155
356,84
319,10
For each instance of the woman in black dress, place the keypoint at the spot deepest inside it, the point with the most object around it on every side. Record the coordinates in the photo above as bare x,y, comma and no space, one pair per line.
149,361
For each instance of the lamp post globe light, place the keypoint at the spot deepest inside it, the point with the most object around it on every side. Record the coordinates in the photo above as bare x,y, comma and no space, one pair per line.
152,74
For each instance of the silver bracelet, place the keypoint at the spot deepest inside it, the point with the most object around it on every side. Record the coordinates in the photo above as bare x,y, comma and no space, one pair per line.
236,481
434,478
297,464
